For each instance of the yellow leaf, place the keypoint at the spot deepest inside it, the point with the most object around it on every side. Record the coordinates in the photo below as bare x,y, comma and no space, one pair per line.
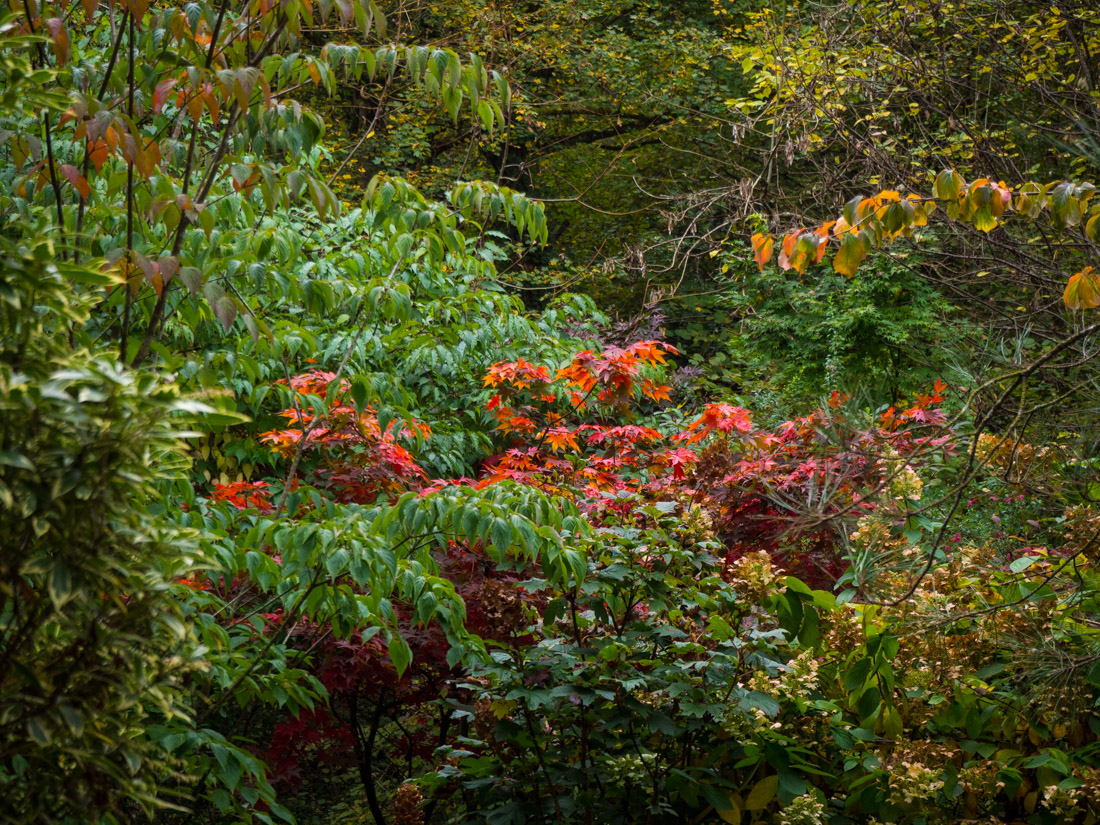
762,793
733,813
1030,801
1092,228
849,256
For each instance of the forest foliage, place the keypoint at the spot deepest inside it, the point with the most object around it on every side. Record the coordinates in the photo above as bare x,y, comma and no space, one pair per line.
602,411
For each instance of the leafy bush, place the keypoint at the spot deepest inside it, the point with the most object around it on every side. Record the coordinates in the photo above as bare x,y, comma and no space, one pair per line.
93,650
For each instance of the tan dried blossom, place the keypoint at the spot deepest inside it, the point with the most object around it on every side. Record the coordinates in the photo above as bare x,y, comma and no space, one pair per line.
1082,526
743,726
484,719
1090,776
1013,458
873,534
981,779
842,630
800,678
406,805
905,484
631,767
502,606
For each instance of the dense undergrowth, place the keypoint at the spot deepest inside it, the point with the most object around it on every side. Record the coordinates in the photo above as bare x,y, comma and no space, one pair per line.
493,431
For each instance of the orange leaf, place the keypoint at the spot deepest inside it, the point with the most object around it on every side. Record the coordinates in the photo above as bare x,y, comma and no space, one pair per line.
787,250
807,248
762,246
194,106
1083,290
98,153
822,243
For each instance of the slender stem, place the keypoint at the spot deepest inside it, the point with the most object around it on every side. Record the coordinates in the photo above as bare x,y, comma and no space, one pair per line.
54,182
103,86
53,175
129,294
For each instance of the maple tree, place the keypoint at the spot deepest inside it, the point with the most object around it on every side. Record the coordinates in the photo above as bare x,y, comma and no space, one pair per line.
359,459
567,430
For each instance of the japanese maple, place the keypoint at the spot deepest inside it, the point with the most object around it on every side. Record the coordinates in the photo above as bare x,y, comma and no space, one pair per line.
357,460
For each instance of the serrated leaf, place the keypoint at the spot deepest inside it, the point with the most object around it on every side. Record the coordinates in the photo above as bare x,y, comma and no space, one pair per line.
501,533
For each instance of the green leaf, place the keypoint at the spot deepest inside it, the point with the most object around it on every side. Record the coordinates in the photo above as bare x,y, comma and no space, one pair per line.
38,731
72,718
9,458
856,676
501,533
716,798
1023,563
400,653
790,785
61,583
892,724
947,186
555,609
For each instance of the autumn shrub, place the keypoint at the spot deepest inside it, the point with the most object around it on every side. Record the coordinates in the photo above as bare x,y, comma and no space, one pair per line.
666,688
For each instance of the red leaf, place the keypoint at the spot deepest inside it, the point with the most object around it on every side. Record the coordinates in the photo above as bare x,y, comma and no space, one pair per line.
160,94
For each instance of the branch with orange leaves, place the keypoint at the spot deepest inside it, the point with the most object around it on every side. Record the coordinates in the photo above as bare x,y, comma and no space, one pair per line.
871,223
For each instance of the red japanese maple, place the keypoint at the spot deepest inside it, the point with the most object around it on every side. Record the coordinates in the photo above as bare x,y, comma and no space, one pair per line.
358,460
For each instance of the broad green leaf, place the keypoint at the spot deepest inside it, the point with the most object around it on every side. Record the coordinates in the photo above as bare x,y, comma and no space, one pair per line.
400,653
